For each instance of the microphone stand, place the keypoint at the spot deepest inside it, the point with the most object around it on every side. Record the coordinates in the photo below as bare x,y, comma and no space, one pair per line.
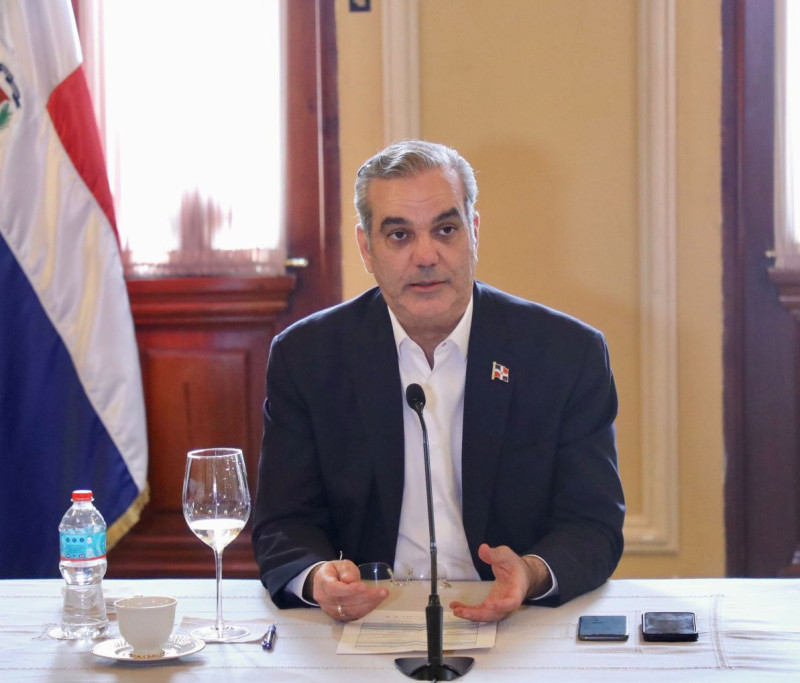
435,667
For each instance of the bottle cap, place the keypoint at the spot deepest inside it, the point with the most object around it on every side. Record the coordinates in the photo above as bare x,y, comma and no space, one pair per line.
81,495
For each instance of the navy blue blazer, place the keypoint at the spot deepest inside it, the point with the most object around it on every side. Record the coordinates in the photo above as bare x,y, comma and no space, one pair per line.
539,464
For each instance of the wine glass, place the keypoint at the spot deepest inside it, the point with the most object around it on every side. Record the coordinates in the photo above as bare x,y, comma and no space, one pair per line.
216,505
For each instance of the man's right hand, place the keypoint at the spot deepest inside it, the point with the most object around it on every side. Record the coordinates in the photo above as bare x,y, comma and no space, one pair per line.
337,588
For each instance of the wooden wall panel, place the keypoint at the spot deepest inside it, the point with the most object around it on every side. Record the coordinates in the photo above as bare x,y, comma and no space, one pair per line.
195,399
788,285
203,346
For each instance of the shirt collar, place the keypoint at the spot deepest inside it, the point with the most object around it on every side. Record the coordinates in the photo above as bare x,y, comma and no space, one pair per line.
459,336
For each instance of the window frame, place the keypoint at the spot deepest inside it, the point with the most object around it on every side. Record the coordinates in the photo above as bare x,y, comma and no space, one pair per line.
312,205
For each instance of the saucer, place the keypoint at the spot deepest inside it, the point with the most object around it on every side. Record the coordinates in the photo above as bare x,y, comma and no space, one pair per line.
121,651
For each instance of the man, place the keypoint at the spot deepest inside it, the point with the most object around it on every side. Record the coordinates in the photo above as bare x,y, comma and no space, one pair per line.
520,410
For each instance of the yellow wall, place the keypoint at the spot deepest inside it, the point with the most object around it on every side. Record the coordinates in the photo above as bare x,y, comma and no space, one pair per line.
541,97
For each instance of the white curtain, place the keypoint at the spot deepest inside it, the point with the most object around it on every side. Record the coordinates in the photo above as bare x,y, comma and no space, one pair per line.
187,93
787,134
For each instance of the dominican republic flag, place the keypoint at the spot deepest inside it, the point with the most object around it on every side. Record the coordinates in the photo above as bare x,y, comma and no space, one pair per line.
71,403
499,372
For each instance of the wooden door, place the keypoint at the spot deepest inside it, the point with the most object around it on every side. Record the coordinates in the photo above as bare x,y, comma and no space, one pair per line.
204,341
762,342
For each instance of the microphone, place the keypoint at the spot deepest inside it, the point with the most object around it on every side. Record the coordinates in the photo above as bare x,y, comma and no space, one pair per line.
415,397
435,667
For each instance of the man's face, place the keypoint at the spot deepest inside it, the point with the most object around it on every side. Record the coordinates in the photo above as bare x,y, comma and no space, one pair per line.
422,252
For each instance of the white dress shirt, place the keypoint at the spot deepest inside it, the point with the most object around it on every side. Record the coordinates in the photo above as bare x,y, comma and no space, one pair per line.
443,385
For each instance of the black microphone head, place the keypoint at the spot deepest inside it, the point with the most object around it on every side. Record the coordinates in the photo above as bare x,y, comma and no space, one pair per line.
415,397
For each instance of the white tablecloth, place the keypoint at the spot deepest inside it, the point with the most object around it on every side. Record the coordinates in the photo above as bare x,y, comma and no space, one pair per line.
749,631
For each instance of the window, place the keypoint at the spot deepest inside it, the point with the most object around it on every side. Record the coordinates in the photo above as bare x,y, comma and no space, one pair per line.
787,135
188,99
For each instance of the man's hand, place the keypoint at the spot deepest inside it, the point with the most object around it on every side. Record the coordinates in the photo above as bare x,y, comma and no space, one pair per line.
516,578
337,588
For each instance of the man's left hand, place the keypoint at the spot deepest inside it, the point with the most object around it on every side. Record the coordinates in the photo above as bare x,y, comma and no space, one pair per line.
516,578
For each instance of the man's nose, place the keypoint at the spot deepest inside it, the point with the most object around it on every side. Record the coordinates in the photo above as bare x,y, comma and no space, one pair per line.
426,251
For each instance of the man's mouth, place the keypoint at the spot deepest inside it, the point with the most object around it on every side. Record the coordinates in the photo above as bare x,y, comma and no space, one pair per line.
426,285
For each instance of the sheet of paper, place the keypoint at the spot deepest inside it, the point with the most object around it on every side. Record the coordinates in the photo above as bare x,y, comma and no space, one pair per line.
385,631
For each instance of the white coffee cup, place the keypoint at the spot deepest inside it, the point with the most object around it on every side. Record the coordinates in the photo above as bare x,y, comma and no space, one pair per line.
146,622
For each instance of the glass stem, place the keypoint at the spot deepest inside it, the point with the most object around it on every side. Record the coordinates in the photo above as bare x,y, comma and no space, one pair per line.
218,562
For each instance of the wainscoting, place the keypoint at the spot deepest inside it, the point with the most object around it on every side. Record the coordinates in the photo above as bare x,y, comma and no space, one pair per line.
203,344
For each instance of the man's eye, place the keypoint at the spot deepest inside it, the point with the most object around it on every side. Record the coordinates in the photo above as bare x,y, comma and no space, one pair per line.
447,229
398,236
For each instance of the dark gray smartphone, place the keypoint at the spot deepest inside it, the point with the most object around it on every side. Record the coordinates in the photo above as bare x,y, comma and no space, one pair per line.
603,627
666,627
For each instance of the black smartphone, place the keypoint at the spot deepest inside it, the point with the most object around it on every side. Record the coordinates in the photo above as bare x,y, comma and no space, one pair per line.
603,627
666,627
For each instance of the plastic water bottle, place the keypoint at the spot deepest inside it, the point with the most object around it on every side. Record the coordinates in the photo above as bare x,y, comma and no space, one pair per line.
83,564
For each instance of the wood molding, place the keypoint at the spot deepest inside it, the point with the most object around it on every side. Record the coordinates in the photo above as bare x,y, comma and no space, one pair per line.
401,99
788,283
208,300
654,528
312,209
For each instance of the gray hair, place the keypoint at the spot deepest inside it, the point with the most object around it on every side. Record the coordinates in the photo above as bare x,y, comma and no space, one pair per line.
407,159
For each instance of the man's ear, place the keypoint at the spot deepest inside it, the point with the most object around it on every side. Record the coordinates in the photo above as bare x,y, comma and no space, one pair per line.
363,248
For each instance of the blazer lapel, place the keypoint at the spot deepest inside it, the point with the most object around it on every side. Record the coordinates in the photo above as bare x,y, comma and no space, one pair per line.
373,366
486,405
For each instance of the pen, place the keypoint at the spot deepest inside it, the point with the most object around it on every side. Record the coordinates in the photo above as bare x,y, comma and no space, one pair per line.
268,641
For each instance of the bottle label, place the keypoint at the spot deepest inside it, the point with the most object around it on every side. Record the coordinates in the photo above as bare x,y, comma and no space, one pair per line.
76,545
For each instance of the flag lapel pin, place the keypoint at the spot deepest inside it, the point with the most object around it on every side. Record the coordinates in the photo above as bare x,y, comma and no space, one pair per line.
499,372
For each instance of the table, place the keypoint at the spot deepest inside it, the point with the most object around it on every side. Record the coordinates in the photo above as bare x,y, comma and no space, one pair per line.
749,630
